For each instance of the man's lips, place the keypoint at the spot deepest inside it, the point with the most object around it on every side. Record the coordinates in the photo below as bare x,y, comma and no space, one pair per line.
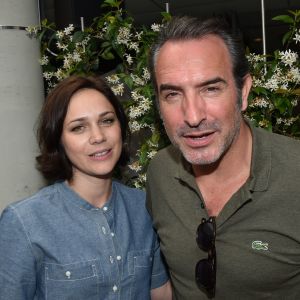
199,139
198,135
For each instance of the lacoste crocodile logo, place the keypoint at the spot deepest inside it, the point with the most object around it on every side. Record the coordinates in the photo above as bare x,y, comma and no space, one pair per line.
259,245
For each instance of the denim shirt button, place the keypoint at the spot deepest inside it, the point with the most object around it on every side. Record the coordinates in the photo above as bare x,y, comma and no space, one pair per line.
103,230
119,257
105,208
115,288
111,259
112,234
68,274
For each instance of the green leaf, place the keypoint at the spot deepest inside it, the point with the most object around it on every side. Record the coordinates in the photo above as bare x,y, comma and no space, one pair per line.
284,18
286,37
166,16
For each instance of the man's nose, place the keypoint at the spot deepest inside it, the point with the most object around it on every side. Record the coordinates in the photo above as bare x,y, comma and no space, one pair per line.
194,110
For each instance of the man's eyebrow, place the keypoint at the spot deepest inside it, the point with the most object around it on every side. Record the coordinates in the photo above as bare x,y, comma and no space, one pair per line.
164,87
212,81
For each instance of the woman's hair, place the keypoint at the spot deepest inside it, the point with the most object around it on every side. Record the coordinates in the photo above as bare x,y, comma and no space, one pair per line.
52,161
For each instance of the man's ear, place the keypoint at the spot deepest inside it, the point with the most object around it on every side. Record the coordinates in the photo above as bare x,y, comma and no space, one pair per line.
246,90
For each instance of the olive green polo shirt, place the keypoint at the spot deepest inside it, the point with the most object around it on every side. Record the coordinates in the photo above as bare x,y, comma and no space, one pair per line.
258,230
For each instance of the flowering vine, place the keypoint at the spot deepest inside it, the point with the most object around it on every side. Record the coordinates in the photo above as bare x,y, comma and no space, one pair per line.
114,37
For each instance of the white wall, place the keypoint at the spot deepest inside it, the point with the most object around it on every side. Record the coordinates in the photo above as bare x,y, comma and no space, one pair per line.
21,97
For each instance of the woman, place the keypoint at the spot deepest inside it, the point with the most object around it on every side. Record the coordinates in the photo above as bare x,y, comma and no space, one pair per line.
84,236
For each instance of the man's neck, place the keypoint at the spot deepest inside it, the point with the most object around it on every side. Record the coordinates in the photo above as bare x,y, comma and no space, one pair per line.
220,181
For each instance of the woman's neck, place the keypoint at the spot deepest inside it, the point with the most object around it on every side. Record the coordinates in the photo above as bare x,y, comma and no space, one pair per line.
94,190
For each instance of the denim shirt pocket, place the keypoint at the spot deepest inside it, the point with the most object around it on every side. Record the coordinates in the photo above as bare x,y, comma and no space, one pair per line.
140,270
74,281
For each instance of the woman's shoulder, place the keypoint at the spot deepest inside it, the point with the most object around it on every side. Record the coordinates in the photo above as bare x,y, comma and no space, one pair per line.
129,196
36,201
128,191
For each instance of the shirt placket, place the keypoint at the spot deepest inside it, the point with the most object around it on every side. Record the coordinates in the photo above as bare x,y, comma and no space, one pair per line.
112,254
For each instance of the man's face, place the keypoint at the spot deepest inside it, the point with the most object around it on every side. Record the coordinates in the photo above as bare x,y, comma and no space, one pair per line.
198,98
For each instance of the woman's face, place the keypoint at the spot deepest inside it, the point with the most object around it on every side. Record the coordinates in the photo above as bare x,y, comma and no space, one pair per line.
91,135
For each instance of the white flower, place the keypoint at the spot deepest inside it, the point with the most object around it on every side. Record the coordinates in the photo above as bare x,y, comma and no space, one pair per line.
113,79
67,61
138,35
118,90
47,75
33,30
288,57
59,74
137,80
129,59
297,37
86,40
259,102
44,60
134,46
155,27
61,46
151,154
295,75
135,166
76,57
69,29
263,123
134,126
294,102
146,74
123,36
60,34
135,112
255,58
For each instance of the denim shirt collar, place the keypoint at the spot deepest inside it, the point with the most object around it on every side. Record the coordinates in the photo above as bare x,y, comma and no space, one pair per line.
72,198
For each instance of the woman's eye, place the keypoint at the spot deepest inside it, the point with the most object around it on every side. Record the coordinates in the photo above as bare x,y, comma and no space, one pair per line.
78,128
107,121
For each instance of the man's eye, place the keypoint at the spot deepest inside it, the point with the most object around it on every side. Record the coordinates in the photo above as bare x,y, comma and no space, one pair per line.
171,96
213,89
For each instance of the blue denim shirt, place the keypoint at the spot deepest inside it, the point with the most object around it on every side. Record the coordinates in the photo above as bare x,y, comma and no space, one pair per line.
55,245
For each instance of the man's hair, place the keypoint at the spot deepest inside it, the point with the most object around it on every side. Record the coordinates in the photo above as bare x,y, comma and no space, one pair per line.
189,28
52,161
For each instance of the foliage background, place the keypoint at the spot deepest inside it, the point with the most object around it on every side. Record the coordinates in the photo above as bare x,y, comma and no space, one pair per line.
114,37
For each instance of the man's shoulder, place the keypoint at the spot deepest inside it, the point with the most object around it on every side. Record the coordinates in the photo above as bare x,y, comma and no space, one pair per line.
284,150
280,142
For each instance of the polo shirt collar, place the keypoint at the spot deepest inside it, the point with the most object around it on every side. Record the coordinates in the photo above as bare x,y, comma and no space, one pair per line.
261,159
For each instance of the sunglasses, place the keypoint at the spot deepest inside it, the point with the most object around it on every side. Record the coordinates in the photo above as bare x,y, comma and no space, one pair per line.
205,271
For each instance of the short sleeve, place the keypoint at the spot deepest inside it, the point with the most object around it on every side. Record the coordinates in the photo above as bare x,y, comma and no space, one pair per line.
159,271
17,263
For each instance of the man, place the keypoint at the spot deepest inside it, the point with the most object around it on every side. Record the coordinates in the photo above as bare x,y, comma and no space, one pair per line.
225,196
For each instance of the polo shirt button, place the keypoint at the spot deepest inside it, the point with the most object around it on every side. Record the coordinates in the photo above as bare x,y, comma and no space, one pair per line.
115,288
202,205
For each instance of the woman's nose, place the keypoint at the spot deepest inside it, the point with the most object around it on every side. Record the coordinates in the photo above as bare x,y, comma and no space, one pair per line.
97,136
